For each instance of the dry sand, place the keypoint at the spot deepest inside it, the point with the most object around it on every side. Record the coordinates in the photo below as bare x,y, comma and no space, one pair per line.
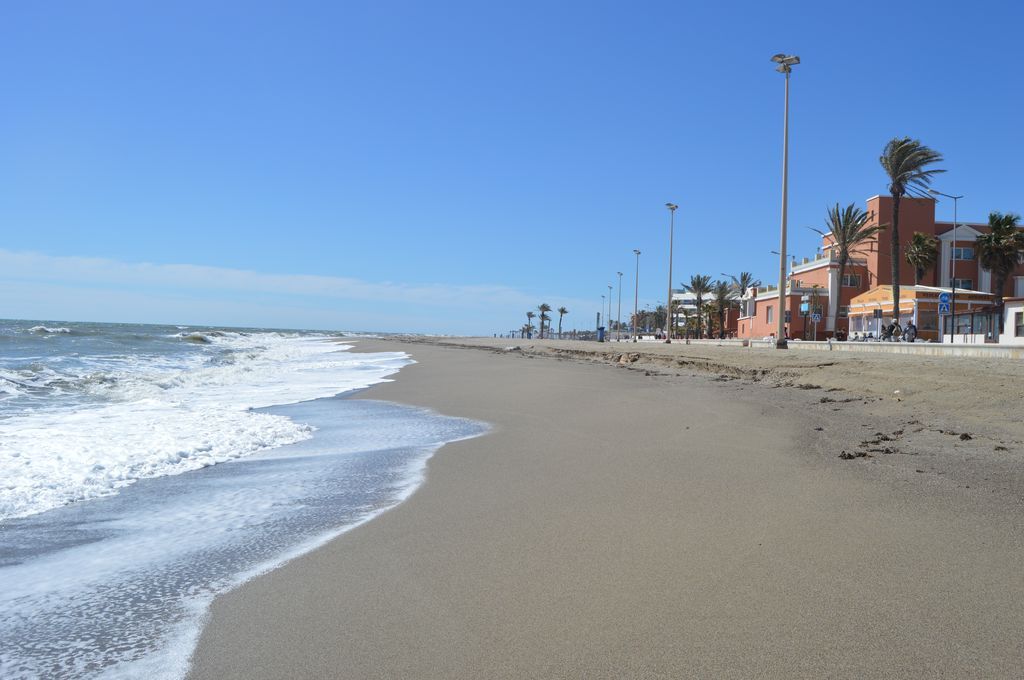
675,521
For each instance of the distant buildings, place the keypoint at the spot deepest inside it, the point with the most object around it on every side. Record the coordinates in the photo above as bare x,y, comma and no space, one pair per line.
813,284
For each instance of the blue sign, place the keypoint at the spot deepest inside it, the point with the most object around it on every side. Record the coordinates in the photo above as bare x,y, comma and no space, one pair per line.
815,318
944,299
943,307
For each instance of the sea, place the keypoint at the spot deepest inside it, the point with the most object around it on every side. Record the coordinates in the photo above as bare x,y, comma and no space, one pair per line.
146,469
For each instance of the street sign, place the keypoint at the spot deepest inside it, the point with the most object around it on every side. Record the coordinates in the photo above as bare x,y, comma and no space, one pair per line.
943,307
815,318
944,299
877,313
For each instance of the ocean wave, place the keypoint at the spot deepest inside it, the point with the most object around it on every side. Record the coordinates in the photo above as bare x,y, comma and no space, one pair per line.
44,330
149,419
206,337
195,337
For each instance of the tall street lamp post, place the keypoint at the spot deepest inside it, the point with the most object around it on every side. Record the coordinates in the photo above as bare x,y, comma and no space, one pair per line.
952,267
618,313
609,331
668,305
785,66
636,297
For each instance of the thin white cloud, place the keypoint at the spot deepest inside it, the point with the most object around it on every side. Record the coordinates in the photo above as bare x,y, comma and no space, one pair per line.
173,285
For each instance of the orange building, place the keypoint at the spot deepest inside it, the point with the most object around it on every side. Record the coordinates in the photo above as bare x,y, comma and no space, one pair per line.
871,310
869,267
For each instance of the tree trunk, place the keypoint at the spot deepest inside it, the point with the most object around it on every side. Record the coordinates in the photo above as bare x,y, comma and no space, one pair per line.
894,251
918,275
1000,281
835,305
699,315
559,326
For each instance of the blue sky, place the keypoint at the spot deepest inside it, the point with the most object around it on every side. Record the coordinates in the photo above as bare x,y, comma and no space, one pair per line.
444,166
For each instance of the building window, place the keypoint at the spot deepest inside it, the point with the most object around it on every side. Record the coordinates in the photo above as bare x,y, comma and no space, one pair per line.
844,311
1018,324
769,313
963,253
967,284
851,280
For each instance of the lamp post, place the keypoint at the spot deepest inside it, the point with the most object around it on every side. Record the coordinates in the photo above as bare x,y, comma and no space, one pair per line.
618,313
609,331
668,304
785,66
636,296
952,267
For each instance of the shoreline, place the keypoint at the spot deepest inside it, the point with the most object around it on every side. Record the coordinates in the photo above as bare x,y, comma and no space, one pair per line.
617,524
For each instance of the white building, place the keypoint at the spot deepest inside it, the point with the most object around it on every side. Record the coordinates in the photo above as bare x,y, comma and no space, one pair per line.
1013,322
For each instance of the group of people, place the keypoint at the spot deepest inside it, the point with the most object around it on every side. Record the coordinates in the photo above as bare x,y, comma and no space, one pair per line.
891,332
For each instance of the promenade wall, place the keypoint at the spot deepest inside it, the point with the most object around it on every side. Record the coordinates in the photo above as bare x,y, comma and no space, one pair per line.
918,348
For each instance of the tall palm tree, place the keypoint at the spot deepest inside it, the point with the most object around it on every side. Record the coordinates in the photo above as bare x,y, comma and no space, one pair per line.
849,229
529,321
543,308
906,162
999,251
722,293
700,285
562,311
922,253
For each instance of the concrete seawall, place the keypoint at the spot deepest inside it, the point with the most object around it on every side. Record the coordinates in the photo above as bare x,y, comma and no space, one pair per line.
918,348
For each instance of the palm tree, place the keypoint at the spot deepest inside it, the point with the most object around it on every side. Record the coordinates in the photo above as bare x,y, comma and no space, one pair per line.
529,321
849,229
723,294
543,308
906,162
922,253
742,284
562,311
657,317
700,285
999,250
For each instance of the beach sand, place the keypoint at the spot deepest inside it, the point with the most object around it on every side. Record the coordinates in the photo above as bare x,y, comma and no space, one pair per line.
670,521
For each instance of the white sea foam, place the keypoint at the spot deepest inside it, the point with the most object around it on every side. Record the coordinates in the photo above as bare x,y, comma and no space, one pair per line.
49,331
130,602
161,418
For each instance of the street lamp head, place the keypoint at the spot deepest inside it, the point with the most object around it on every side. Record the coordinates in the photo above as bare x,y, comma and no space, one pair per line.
935,192
785,62
635,251
671,206
786,59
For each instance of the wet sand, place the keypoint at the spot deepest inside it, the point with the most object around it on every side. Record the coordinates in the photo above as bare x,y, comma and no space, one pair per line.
664,522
